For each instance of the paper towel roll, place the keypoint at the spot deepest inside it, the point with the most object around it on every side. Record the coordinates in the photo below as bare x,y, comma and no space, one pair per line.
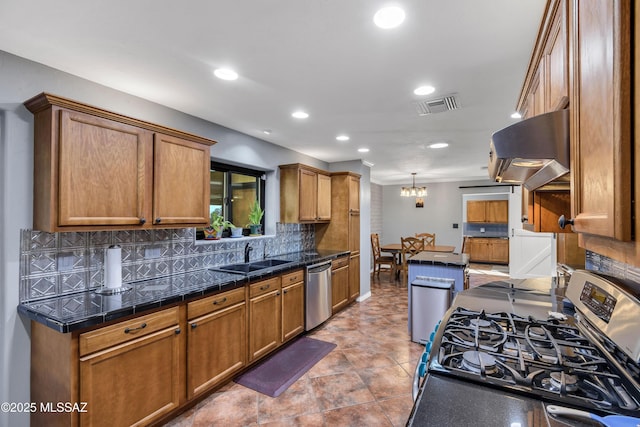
113,267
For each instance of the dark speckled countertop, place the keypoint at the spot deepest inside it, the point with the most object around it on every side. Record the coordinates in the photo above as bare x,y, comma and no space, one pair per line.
444,258
86,309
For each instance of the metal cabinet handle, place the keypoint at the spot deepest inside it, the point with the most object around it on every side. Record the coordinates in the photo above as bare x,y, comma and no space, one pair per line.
220,301
143,220
278,293
177,331
562,221
129,330
285,291
158,220
264,288
194,325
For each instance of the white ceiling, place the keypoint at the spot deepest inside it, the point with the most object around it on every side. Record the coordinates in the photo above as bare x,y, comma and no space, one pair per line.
324,56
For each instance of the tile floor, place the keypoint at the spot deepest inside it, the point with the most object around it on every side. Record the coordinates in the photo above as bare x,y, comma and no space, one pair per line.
364,381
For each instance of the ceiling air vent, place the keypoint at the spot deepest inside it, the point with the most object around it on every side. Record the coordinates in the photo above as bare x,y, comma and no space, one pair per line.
438,105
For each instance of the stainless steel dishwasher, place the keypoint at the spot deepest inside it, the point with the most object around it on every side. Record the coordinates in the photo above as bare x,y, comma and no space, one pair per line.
317,294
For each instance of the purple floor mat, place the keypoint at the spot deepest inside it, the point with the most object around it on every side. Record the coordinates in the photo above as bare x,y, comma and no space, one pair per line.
276,373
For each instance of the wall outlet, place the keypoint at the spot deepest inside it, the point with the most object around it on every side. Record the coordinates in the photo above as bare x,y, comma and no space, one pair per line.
152,252
65,261
455,225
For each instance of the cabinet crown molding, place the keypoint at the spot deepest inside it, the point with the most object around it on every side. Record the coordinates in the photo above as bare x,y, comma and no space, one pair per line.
45,100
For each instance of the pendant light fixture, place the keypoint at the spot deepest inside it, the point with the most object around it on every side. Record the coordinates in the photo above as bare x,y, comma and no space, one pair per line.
413,191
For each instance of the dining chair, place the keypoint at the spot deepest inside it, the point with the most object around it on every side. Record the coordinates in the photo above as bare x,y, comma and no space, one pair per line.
380,260
409,247
429,238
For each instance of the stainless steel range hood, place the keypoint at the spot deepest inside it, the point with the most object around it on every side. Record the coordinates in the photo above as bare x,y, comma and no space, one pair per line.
533,152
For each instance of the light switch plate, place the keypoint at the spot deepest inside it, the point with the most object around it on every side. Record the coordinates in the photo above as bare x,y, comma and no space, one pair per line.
65,261
152,252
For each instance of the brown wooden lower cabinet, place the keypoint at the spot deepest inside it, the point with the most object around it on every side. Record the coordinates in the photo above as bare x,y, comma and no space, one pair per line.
134,364
216,344
264,317
141,370
339,284
292,305
488,249
354,277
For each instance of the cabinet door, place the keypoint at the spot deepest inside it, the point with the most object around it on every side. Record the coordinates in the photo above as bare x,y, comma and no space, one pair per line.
264,324
354,232
339,289
181,181
324,197
601,161
104,172
556,61
292,311
497,211
500,251
308,196
132,384
216,348
354,194
354,277
475,211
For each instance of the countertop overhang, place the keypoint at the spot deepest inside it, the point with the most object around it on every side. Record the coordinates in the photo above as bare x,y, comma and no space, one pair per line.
443,258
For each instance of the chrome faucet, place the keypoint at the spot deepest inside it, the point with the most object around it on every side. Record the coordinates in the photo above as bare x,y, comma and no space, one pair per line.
247,250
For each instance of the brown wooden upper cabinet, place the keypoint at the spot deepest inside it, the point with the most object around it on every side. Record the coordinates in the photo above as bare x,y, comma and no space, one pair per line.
601,128
305,194
493,211
98,170
546,89
587,51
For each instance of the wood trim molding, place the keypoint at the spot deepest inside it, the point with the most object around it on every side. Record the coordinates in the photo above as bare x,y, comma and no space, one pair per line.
44,100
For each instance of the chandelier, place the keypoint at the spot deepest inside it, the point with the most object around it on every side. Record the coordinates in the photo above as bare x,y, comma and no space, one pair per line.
413,191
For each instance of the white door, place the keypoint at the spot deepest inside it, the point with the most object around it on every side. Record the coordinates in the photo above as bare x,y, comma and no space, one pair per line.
530,254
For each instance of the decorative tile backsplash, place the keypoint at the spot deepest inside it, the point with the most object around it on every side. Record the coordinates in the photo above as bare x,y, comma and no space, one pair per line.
606,265
54,264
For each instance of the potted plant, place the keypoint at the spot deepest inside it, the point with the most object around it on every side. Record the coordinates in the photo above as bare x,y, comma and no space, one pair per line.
255,219
216,225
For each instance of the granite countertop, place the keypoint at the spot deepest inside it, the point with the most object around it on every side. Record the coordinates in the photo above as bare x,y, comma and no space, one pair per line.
68,313
443,258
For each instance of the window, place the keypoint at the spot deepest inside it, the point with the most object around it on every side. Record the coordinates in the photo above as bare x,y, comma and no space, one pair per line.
233,191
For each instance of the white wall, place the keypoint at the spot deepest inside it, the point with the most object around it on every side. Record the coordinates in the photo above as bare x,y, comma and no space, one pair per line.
443,207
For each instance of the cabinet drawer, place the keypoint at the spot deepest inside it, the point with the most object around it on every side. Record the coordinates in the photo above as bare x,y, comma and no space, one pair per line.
126,331
214,303
291,278
263,287
340,262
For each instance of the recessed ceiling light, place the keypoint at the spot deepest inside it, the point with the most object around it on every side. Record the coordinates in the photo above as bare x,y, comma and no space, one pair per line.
300,115
363,150
389,17
267,131
516,115
225,74
342,138
438,145
424,90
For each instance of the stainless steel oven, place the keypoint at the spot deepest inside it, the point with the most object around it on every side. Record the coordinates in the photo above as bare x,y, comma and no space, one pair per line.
521,344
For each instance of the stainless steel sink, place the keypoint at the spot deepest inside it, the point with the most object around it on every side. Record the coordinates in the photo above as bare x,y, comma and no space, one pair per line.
250,267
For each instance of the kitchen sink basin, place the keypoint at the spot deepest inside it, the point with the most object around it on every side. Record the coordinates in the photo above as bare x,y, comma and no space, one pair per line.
250,267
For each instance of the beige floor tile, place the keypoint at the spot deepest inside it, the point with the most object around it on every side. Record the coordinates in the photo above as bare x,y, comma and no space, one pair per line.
336,391
364,381
369,415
